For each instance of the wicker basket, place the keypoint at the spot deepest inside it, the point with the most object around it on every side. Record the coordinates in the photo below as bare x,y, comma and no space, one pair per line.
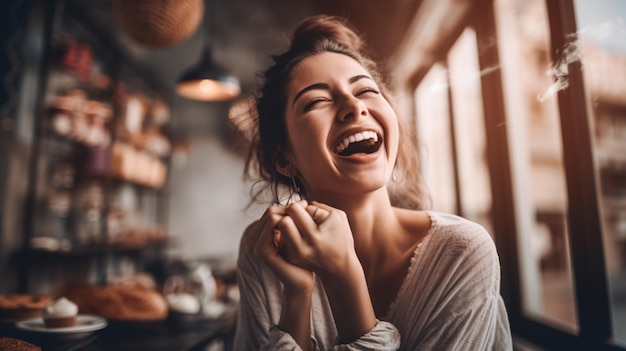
158,23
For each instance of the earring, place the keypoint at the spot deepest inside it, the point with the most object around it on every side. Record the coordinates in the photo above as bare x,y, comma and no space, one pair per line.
296,188
394,178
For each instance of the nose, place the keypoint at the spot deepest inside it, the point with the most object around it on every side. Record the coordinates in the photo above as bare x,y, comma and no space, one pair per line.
352,108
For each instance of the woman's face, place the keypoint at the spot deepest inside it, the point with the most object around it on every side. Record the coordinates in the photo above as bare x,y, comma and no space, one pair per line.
343,134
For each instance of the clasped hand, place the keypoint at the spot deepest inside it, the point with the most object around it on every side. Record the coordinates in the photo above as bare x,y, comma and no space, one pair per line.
301,239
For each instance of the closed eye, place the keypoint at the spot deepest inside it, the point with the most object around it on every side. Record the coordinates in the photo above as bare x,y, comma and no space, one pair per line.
367,90
309,105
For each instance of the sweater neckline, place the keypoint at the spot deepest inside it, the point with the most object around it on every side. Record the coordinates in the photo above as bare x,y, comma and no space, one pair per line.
416,253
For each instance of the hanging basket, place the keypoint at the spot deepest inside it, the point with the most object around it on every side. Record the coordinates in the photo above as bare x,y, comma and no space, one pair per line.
158,23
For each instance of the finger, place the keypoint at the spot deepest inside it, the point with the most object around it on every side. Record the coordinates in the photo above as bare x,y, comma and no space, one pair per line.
332,218
277,239
302,218
294,247
303,203
290,234
317,213
266,236
322,206
332,214
269,245
271,215
312,210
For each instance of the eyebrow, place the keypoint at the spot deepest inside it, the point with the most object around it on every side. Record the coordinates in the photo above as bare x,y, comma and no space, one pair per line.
325,86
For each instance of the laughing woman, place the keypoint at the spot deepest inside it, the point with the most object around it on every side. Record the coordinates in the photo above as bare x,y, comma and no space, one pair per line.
351,260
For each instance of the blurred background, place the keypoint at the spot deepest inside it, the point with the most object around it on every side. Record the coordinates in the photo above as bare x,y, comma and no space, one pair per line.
109,168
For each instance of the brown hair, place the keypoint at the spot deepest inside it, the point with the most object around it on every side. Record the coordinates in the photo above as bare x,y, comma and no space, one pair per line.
315,35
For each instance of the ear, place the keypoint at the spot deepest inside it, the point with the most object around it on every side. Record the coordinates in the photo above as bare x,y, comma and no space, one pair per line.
285,167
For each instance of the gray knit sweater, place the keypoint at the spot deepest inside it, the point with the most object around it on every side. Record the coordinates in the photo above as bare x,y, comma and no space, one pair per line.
449,300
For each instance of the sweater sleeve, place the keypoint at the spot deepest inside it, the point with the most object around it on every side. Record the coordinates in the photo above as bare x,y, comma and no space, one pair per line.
383,337
255,316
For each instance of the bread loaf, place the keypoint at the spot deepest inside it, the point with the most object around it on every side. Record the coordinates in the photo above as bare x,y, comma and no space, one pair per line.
118,302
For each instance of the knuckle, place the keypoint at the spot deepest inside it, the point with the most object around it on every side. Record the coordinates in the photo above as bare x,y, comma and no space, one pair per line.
286,220
276,218
274,210
292,208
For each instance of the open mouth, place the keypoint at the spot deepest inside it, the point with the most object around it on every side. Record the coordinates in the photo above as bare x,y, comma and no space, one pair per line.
362,142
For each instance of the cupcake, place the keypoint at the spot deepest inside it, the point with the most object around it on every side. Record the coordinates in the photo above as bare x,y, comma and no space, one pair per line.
183,307
60,314
183,303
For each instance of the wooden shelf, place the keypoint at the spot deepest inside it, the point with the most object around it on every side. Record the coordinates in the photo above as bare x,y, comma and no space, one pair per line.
94,250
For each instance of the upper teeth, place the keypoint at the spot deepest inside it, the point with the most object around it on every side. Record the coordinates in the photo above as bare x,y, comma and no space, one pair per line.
356,137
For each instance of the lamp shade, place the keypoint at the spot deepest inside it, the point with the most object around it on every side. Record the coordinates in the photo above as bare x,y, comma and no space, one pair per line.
207,81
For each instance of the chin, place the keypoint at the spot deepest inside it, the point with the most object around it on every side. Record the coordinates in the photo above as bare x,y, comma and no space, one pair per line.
369,183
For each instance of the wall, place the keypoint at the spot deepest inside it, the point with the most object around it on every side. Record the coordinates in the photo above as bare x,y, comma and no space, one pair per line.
207,197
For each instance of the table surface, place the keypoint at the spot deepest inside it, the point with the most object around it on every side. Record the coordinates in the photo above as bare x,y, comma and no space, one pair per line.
166,335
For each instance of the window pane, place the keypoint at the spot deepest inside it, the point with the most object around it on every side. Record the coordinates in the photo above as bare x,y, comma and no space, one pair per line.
469,130
433,132
537,162
602,43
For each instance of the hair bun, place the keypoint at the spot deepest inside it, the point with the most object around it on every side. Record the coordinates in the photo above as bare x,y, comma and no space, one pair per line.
324,27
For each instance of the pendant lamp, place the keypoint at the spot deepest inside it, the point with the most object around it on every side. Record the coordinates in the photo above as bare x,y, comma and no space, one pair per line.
207,80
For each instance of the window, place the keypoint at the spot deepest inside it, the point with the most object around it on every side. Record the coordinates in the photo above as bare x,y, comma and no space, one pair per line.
450,127
469,130
539,185
521,111
434,134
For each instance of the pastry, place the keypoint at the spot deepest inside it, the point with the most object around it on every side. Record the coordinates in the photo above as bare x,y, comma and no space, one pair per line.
60,314
12,344
16,307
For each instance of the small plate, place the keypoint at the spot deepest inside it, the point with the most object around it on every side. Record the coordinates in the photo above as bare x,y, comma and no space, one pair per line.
85,325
